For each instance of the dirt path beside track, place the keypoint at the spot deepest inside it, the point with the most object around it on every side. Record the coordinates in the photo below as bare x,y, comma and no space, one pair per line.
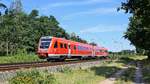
111,80
138,74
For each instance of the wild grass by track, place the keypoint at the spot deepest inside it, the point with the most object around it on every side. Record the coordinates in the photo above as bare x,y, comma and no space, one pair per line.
19,58
82,76
87,76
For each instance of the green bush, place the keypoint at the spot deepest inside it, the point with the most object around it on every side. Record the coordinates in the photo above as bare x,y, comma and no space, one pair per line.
19,58
66,70
33,77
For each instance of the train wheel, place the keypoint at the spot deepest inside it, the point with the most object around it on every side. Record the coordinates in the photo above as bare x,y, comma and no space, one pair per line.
80,58
61,59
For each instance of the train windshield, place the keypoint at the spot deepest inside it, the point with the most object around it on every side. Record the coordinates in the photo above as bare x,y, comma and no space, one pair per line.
45,43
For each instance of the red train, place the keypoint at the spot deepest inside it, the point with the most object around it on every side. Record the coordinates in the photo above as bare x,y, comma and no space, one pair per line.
59,48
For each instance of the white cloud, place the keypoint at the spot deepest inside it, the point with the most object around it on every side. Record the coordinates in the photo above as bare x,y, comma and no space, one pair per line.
85,2
74,3
105,28
97,11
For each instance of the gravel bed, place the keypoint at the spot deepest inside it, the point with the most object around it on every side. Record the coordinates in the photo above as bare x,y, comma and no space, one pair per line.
4,76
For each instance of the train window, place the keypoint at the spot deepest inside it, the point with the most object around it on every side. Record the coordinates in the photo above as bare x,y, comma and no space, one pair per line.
65,46
81,48
74,47
55,45
61,45
45,39
45,43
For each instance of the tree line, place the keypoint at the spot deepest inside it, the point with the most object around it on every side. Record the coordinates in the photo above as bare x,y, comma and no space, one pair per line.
20,32
138,31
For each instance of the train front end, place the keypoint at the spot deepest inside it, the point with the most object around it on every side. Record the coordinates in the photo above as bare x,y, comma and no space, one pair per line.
43,47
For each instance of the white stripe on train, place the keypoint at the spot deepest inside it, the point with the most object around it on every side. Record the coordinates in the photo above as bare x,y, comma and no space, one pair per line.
50,55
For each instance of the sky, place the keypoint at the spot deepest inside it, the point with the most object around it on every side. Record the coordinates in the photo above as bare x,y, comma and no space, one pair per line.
93,20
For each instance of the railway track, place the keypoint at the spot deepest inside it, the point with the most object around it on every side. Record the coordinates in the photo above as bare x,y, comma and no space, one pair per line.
16,66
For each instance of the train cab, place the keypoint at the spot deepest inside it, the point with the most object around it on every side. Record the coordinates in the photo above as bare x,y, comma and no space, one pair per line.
43,48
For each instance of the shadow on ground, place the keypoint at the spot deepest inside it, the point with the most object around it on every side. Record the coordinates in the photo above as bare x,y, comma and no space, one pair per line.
126,60
105,71
127,76
109,71
146,70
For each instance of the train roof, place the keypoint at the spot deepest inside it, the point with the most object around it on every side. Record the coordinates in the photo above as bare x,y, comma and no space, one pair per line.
73,41
78,43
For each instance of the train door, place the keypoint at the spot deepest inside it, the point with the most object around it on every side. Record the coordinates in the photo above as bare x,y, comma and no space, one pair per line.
93,52
56,47
74,50
69,50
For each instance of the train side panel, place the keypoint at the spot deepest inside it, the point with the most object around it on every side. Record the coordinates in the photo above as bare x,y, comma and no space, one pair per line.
51,47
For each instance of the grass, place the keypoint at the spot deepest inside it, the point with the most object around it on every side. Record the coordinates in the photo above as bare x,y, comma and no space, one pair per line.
92,75
78,77
127,77
88,76
33,77
146,71
67,76
19,58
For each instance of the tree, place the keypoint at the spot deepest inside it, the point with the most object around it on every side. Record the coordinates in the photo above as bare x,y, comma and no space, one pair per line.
140,51
93,43
3,6
138,31
34,14
20,32
74,37
16,6
125,52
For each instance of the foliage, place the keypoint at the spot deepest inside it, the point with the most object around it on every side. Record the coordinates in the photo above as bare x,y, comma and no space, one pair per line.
139,28
3,6
66,70
127,77
92,75
33,77
93,43
74,37
140,51
20,31
19,58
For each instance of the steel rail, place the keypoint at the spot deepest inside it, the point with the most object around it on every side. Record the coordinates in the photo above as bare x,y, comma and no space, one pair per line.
16,66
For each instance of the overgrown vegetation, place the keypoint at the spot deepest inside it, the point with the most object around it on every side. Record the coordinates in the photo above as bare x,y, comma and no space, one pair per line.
67,76
20,31
146,71
33,77
19,58
138,31
127,77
